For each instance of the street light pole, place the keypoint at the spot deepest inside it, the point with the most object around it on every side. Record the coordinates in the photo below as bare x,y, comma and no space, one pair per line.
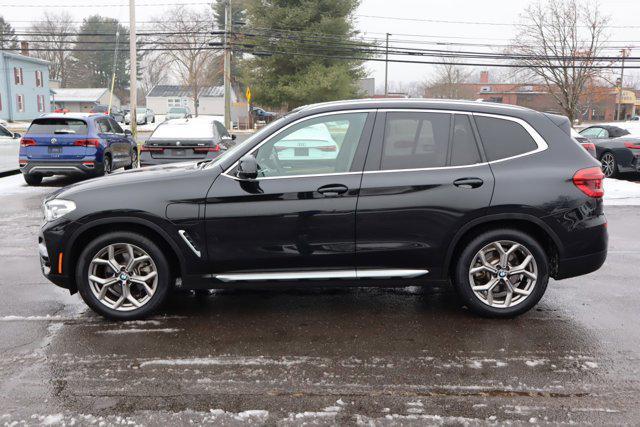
227,64
624,54
133,72
386,68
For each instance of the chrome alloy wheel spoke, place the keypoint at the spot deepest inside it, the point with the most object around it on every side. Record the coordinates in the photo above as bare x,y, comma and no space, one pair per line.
503,274
123,277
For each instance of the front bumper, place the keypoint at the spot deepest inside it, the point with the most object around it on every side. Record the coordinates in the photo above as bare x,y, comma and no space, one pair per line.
83,167
51,251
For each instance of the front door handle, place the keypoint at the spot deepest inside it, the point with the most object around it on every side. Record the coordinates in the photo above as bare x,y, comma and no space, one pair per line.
468,182
333,190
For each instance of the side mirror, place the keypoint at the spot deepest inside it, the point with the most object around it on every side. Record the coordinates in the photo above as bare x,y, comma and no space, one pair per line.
247,167
17,135
233,137
127,132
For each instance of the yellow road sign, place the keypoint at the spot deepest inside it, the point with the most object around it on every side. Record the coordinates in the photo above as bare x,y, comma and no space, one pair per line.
248,94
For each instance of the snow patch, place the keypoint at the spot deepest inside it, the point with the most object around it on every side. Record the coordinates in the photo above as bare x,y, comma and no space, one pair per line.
534,363
138,331
620,192
224,361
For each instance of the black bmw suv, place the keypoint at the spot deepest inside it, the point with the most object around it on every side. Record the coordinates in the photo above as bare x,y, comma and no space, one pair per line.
495,199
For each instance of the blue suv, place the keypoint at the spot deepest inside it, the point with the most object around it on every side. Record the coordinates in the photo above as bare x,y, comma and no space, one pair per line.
75,144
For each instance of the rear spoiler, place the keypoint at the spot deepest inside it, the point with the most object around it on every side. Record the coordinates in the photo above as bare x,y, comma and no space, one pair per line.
561,121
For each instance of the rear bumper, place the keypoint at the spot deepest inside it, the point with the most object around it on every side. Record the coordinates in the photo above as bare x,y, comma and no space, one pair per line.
84,167
147,160
572,267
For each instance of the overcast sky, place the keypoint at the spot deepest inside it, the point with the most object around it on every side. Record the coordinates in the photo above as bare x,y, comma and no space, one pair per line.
623,13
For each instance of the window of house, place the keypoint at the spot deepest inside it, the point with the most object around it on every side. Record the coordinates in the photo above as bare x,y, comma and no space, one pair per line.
174,102
40,99
415,140
20,102
18,76
39,82
503,138
464,150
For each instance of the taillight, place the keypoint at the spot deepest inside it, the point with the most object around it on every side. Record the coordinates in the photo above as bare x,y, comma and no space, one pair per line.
633,145
215,148
87,143
589,181
326,148
152,149
26,142
589,146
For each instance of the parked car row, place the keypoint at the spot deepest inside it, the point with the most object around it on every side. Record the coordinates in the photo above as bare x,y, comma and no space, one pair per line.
123,115
95,144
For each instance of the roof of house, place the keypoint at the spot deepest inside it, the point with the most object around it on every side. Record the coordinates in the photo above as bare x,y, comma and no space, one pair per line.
185,91
78,94
25,58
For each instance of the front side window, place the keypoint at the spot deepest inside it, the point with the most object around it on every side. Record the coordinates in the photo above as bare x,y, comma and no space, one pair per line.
115,126
4,132
415,140
320,145
103,126
503,138
464,150
595,132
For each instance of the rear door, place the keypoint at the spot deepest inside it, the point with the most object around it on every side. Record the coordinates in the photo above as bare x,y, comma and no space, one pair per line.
55,139
425,177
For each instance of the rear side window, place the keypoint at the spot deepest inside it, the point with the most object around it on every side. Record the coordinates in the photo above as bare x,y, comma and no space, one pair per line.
595,133
58,125
415,140
503,138
464,150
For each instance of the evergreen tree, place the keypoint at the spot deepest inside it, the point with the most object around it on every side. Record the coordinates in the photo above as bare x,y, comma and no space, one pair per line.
8,39
318,29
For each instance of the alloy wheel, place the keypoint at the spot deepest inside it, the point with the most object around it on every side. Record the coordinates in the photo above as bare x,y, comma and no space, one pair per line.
123,277
503,274
608,163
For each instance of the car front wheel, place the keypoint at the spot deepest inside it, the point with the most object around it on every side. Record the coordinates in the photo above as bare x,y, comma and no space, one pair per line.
502,273
123,276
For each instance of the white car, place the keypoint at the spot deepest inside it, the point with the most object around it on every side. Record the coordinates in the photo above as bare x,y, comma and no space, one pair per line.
6,135
308,144
143,116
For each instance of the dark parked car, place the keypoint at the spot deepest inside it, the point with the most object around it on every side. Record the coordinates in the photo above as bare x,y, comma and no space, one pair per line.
68,144
260,114
616,149
586,144
181,140
495,199
116,113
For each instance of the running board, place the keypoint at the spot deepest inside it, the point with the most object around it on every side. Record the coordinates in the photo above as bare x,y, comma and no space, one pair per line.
322,275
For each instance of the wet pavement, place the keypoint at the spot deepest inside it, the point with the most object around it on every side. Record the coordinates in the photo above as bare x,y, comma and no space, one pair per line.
319,356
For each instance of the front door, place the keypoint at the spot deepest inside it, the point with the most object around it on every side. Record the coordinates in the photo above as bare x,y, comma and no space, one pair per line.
424,178
297,219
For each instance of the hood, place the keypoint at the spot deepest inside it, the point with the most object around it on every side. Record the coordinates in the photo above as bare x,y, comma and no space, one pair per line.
132,177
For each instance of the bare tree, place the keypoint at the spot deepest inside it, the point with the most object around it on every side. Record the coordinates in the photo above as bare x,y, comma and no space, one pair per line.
56,34
449,81
153,70
187,48
559,44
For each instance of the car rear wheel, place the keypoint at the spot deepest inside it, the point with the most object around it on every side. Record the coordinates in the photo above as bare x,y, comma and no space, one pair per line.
32,179
134,159
609,165
502,273
123,276
108,165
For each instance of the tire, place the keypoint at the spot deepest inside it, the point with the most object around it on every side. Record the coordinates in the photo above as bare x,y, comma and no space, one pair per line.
32,179
145,121
107,165
609,164
107,305
134,159
496,305
153,120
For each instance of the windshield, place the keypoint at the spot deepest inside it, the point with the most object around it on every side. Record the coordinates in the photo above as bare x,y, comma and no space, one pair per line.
243,146
141,110
176,110
57,125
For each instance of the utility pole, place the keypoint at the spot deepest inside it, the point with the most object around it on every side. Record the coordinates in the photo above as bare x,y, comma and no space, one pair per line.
624,55
228,22
386,68
133,73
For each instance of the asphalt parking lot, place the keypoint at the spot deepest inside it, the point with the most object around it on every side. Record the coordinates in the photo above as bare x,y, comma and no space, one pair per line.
319,356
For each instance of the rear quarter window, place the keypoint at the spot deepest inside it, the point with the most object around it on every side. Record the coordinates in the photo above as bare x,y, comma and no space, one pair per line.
58,126
503,138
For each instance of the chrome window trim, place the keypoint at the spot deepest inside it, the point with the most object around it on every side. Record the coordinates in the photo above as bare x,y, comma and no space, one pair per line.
355,273
295,122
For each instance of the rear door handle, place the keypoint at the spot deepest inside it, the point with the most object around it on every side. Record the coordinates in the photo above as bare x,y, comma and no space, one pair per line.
333,190
468,182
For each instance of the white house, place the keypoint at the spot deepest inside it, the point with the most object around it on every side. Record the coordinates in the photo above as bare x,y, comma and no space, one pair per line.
81,100
211,101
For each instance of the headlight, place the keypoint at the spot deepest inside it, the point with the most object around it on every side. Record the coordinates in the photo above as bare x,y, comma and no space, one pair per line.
56,208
